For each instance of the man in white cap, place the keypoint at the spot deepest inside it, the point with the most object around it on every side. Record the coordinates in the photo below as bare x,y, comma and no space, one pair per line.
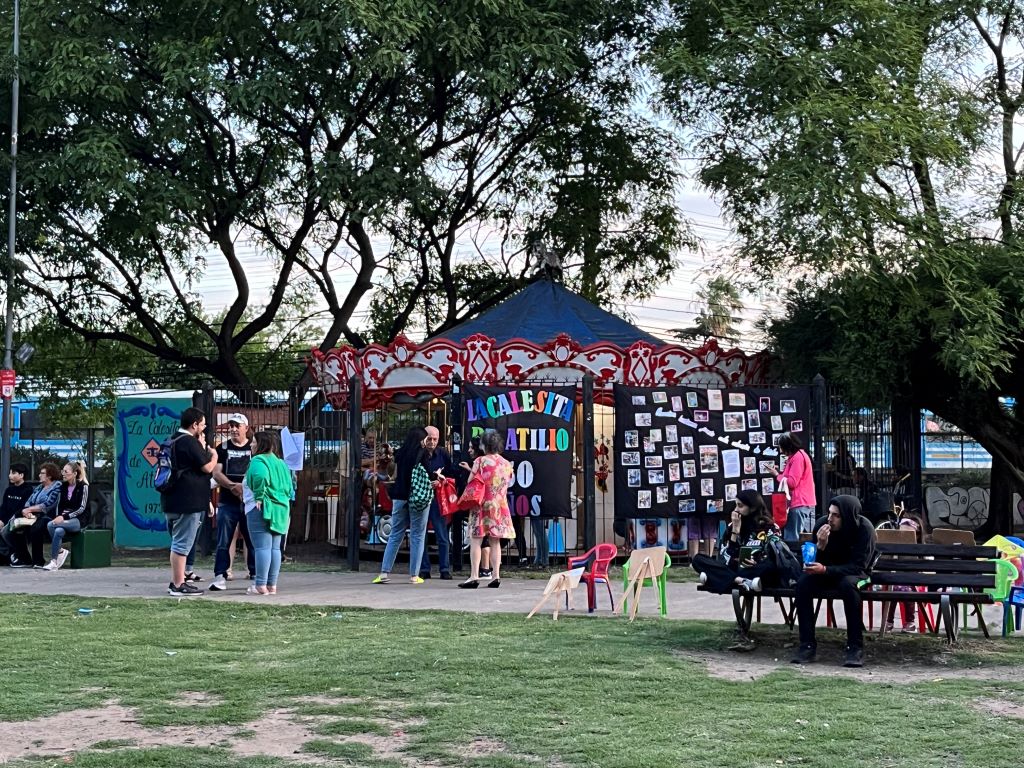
233,456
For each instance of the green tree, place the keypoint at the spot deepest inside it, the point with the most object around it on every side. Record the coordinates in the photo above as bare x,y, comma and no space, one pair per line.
871,150
719,317
352,145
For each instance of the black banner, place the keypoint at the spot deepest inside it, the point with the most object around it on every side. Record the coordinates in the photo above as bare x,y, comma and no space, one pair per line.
536,425
681,451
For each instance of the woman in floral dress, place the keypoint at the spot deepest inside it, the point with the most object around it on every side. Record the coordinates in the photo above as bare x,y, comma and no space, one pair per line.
492,518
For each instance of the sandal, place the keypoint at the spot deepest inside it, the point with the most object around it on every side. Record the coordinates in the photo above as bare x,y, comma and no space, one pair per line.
494,583
193,576
469,584
254,590
271,590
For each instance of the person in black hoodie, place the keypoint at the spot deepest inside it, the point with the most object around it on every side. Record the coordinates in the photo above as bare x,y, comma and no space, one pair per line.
846,552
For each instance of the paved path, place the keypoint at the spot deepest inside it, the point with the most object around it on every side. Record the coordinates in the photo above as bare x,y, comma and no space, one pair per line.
354,589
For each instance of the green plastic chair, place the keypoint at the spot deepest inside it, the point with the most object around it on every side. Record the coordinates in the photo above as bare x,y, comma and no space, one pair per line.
1006,576
660,584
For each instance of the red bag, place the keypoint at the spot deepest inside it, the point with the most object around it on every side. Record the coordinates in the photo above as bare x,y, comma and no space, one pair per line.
473,496
446,495
780,504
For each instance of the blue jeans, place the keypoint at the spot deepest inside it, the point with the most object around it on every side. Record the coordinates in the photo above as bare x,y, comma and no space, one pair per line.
443,543
267,549
402,520
57,532
230,517
539,528
800,520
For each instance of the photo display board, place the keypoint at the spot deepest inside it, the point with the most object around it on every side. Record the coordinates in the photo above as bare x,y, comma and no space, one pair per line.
681,451
537,428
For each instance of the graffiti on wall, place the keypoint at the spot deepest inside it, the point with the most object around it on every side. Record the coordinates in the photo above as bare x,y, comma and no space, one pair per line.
965,508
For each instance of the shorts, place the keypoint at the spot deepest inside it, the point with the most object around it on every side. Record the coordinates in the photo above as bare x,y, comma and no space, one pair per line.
183,527
701,527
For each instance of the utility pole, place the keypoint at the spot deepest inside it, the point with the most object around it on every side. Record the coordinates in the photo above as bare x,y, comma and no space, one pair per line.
7,378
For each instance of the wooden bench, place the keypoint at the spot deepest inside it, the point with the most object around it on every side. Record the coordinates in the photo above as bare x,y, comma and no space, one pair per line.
950,575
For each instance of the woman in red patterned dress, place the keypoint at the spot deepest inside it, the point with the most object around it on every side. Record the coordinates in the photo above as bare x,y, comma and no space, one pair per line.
492,518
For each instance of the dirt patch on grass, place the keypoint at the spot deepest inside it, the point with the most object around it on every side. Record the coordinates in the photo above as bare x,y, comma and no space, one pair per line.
195,699
999,708
279,733
744,667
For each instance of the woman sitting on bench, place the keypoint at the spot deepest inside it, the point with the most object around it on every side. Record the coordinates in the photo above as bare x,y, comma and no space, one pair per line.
72,512
742,552
39,509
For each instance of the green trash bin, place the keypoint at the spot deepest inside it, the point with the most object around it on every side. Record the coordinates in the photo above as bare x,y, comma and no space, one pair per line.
91,548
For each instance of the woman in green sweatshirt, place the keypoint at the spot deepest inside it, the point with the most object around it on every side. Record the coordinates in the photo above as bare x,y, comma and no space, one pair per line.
267,495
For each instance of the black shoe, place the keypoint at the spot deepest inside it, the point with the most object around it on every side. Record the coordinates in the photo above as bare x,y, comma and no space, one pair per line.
806,654
425,575
446,575
854,657
485,573
494,583
469,584
16,563
185,590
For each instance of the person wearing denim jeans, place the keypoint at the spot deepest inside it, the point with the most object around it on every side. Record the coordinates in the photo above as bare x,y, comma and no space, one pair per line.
403,518
438,459
233,457
72,511
800,520
799,477
267,493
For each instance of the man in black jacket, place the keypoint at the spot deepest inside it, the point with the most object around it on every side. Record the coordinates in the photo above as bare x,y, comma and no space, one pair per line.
846,552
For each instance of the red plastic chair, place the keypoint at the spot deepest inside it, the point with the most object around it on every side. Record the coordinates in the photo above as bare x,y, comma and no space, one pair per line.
596,561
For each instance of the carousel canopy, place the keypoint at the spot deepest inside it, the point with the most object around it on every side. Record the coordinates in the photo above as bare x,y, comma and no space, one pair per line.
544,309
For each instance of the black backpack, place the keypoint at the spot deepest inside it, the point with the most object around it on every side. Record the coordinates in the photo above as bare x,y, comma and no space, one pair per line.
165,475
788,564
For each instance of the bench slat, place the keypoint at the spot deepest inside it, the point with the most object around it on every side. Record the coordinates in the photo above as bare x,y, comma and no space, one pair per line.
939,566
956,552
979,580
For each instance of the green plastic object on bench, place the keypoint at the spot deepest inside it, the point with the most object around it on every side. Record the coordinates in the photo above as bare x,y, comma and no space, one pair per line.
91,548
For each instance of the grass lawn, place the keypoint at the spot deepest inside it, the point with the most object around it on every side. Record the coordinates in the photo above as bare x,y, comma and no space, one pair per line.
386,689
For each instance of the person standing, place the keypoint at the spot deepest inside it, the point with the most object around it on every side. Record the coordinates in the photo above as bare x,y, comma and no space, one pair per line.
267,493
188,499
846,552
72,512
233,457
438,460
799,477
403,516
492,518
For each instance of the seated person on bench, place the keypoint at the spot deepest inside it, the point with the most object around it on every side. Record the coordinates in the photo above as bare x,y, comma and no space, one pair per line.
743,559
40,507
846,552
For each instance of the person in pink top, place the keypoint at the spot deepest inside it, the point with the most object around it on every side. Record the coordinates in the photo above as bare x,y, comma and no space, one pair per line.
799,476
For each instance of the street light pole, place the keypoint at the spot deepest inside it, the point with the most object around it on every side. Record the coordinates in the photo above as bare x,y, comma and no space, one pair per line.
5,449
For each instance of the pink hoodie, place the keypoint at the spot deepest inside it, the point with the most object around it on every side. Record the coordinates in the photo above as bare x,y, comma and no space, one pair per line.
800,476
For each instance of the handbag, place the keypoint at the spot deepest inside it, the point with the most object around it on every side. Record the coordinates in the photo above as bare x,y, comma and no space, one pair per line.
446,495
780,504
420,491
473,496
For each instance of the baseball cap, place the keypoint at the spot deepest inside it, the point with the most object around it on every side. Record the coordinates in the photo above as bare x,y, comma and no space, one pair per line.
238,418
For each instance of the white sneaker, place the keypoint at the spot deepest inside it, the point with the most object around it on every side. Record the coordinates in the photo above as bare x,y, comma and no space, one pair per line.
218,584
703,577
62,557
51,566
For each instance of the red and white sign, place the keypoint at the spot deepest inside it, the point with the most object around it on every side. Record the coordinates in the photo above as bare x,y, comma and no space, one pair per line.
7,382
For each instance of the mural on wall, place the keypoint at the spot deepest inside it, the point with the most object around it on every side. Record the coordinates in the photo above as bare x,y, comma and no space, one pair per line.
963,508
141,424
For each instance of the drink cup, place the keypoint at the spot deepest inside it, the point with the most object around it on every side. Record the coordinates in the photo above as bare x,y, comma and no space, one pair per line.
809,551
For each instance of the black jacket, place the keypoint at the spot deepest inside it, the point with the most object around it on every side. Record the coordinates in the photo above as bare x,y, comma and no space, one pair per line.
75,507
851,549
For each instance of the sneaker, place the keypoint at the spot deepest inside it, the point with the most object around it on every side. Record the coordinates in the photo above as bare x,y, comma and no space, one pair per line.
909,627
382,579
425,575
446,575
415,580
752,585
16,563
219,584
854,657
62,557
185,590
193,576
703,578
805,655
51,566
485,573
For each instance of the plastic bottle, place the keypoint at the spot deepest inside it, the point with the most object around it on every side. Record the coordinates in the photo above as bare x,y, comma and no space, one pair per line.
809,551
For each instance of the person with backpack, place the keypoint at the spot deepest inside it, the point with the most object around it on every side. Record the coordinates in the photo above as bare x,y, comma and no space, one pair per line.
743,560
184,488
410,503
